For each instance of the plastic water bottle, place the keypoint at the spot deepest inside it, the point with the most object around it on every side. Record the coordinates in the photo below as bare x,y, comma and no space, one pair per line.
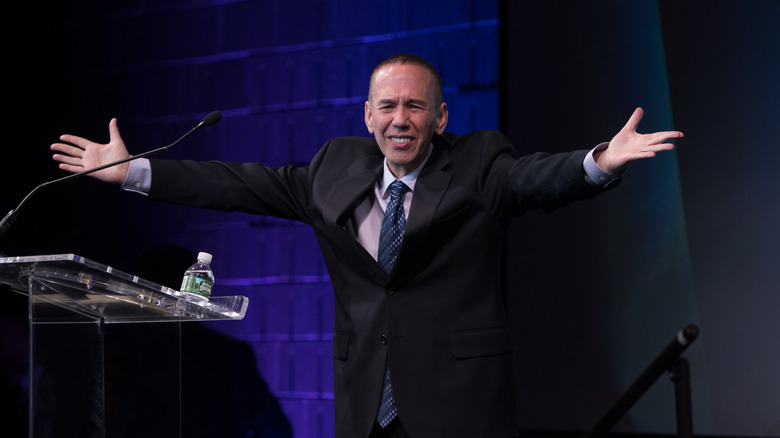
199,279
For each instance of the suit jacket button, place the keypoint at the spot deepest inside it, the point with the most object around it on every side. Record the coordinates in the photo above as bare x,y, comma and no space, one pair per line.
383,339
390,290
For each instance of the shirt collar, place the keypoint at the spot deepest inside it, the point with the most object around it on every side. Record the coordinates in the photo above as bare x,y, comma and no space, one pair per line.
410,179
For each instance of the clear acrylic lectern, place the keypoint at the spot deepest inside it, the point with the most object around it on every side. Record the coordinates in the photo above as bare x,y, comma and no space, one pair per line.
81,369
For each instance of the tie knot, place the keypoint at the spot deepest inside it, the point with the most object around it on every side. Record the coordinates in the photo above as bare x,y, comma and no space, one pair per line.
397,188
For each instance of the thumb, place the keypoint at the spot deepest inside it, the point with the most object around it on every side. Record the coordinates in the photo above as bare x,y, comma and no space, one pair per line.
113,131
633,122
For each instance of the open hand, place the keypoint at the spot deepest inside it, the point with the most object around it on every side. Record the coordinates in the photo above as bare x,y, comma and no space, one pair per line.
78,154
629,145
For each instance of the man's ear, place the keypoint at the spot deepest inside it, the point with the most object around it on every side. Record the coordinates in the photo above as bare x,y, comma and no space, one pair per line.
441,118
368,118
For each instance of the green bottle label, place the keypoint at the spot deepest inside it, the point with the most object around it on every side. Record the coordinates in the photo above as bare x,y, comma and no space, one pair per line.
196,285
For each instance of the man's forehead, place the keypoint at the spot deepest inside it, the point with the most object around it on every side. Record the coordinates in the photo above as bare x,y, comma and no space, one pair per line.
401,81
400,71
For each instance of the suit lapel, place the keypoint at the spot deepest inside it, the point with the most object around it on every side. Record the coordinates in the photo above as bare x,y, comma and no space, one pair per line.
346,194
429,190
341,200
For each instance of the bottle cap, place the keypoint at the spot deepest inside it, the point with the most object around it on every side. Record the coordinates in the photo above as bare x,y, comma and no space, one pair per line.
204,257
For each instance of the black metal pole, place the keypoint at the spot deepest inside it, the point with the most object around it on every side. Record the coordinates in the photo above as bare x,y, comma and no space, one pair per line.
660,365
681,376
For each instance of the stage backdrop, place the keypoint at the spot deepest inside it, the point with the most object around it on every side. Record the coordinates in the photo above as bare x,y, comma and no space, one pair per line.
596,290
599,289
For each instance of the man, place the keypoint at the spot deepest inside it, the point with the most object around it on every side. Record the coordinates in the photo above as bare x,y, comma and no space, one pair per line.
421,346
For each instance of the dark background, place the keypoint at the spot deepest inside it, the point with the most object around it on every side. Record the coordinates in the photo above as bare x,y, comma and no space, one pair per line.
689,237
596,289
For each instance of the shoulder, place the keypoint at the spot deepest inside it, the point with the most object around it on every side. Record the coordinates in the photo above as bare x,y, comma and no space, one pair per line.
476,143
478,135
352,142
341,153
355,147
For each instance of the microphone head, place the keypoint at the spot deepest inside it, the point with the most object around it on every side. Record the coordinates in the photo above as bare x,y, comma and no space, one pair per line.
212,118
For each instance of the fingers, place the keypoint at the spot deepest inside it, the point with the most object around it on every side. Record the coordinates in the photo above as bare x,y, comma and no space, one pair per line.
659,141
628,145
656,137
83,143
68,149
67,159
662,136
654,148
69,163
74,141
71,158
71,154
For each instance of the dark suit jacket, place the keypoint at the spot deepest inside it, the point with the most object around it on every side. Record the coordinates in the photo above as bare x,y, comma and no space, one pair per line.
439,318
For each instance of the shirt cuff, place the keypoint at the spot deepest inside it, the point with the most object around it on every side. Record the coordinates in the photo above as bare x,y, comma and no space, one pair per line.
139,177
594,174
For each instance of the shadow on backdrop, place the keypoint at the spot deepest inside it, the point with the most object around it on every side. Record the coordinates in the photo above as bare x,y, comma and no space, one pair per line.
222,393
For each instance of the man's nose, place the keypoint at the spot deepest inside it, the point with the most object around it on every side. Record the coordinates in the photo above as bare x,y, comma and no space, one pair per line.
401,116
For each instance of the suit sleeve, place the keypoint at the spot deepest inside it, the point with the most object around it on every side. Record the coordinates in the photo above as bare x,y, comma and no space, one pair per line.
247,187
537,181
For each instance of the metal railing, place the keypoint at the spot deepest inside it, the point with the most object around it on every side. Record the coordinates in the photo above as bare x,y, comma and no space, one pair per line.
667,361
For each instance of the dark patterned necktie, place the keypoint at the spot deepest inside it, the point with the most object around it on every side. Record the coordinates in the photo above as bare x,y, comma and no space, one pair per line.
390,238
392,233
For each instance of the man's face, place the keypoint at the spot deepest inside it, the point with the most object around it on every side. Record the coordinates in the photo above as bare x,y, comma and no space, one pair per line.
403,115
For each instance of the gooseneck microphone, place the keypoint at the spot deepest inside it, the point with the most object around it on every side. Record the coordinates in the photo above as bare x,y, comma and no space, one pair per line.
209,120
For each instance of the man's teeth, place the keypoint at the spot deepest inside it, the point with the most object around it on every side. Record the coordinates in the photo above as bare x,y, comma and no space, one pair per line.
401,139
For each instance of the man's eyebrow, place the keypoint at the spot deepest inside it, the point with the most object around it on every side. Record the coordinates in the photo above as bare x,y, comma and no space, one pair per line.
419,102
414,101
